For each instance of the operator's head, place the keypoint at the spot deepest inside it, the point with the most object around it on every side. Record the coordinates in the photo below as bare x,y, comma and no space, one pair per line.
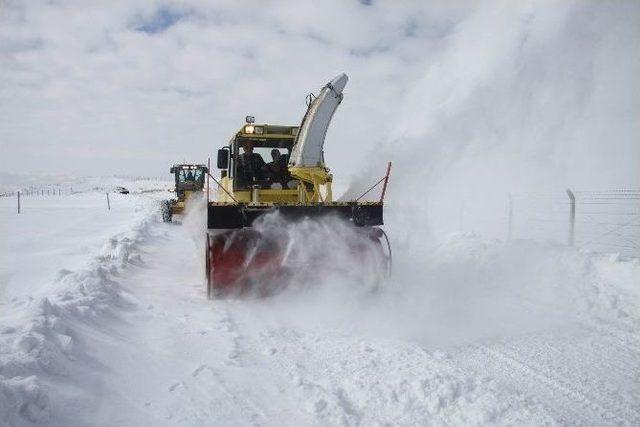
247,147
275,154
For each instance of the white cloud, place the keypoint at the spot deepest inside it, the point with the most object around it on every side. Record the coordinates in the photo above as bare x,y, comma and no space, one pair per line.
140,83
523,92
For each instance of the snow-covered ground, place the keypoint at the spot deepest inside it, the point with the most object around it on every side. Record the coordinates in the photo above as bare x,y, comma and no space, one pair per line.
104,321
58,185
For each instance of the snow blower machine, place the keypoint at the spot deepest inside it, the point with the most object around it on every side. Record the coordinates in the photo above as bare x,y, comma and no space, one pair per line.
189,181
295,185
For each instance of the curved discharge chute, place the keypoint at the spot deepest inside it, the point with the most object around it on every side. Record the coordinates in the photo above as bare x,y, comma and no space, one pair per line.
308,147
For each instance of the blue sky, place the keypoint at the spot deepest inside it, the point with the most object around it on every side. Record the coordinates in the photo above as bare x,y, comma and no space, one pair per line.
163,18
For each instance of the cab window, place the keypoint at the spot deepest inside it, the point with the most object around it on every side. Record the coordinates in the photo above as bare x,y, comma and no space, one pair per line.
190,175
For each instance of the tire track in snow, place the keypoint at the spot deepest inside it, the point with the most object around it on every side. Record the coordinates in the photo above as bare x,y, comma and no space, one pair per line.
346,380
560,387
231,328
558,373
197,362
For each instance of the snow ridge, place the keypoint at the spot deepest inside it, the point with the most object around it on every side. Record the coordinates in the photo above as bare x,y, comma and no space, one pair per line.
43,349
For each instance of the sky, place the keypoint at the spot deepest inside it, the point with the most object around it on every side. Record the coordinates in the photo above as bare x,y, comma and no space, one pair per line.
461,96
100,87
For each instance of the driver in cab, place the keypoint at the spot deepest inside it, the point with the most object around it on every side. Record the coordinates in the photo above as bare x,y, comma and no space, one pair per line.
251,164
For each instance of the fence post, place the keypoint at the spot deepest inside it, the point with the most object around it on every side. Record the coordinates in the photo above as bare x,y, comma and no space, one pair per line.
18,202
572,216
108,203
510,229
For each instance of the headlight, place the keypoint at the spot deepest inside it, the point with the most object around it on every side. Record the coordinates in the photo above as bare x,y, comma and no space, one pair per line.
248,129
259,130
294,131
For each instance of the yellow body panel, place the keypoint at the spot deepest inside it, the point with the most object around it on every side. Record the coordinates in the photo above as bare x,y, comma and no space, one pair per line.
177,207
319,177
264,195
314,183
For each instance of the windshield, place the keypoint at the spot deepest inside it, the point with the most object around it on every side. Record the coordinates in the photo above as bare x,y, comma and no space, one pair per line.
266,167
190,175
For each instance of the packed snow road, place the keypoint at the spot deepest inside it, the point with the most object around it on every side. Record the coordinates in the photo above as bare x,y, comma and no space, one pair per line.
186,360
479,333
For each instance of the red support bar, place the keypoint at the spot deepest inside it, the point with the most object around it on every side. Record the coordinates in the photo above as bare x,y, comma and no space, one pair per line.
386,180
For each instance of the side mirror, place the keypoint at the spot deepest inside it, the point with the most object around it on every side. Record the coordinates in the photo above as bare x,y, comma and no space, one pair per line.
172,170
223,158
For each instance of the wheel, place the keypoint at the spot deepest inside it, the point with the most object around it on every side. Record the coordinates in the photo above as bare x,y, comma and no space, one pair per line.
207,254
165,208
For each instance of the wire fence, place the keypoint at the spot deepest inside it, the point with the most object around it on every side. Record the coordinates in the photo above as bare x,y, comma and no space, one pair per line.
600,220
40,191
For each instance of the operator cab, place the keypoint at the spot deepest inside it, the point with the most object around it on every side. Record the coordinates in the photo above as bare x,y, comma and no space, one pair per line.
189,177
257,157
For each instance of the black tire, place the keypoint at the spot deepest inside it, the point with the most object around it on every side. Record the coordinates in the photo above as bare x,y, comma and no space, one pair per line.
208,267
165,208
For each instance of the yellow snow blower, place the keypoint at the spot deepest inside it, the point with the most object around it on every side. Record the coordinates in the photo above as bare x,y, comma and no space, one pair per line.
189,181
294,182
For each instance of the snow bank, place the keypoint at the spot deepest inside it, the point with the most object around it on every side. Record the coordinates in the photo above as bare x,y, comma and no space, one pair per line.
593,283
609,285
44,365
475,289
